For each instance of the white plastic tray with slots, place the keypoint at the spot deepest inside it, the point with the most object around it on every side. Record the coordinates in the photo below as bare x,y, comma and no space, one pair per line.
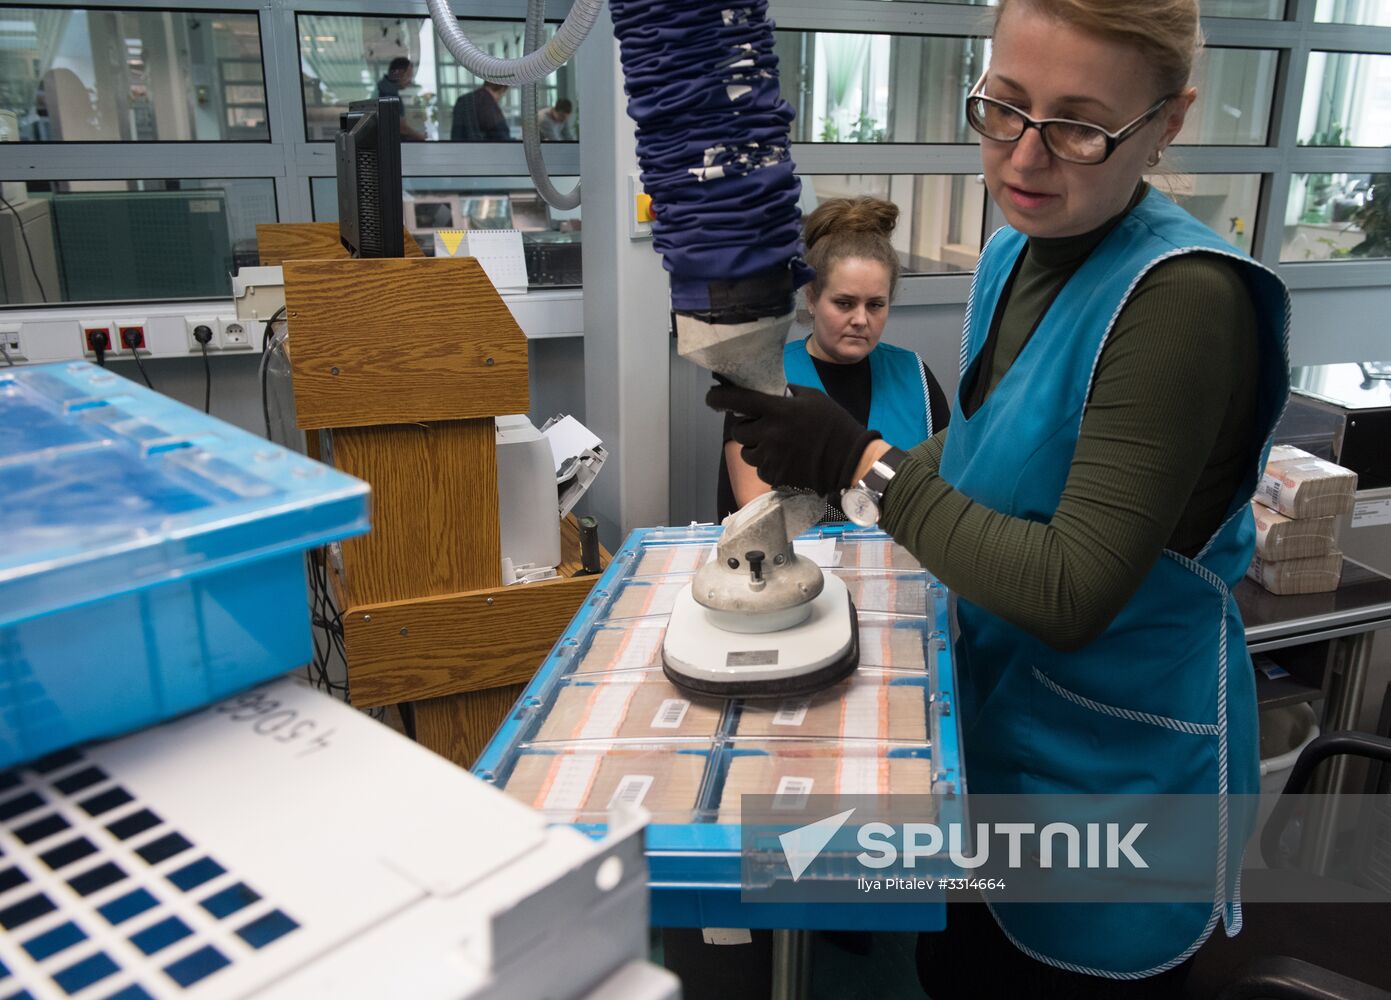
281,844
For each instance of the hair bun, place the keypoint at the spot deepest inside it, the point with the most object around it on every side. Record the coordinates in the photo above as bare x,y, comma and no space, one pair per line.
850,215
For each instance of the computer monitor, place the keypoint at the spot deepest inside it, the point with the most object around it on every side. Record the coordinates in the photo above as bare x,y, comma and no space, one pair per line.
369,178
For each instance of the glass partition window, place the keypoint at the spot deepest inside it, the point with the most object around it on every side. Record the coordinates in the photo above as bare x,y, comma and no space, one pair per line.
1337,217
1347,100
1266,10
345,58
112,75
1235,91
911,88
1373,12
550,237
1225,203
128,240
878,88
941,216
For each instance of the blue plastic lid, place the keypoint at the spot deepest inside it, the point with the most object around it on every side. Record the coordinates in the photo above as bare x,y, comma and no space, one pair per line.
108,487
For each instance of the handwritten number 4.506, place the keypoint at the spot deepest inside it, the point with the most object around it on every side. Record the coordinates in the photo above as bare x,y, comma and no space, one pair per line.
281,724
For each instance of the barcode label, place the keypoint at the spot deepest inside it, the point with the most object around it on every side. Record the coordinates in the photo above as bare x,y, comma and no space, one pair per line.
1270,489
1366,513
792,792
631,790
671,714
792,713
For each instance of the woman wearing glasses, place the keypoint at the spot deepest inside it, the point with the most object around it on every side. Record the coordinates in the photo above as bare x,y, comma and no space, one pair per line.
1123,370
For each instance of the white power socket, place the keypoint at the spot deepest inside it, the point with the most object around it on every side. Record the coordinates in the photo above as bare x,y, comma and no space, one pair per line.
192,323
13,342
235,335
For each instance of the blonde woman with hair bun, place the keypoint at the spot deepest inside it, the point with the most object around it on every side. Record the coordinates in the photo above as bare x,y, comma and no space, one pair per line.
1123,370
883,387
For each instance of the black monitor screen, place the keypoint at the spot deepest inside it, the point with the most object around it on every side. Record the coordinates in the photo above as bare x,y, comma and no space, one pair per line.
368,149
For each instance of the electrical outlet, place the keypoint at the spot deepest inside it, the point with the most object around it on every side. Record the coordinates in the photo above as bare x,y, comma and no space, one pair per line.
235,335
192,324
131,336
92,329
13,342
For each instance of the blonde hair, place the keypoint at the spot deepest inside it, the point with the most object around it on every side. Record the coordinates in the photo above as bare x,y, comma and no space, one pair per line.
1166,33
843,228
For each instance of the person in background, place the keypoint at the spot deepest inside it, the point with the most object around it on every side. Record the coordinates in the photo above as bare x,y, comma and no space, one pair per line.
478,115
881,386
554,122
1089,507
399,75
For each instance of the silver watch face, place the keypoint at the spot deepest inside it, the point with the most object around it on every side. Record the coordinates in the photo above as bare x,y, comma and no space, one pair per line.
860,506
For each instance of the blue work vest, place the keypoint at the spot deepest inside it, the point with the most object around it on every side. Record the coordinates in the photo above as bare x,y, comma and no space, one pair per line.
898,405
1164,700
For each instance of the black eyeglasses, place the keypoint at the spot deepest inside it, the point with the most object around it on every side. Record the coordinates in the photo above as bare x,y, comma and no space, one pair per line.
1073,141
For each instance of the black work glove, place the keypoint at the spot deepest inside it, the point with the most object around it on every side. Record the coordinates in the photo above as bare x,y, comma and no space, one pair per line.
805,440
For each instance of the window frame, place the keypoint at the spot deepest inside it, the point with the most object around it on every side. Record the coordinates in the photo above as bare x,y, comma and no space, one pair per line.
290,160
195,6
1293,38
336,10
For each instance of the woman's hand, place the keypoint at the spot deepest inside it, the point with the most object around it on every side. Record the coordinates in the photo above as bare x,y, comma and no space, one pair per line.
805,440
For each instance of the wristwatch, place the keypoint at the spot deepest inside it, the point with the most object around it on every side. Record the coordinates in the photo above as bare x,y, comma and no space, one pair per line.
861,502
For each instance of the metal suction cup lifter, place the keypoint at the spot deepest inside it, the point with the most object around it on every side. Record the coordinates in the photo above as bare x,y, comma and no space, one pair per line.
759,621
756,582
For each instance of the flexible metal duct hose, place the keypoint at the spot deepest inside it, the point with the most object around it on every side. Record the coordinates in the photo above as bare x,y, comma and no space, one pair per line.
531,128
532,67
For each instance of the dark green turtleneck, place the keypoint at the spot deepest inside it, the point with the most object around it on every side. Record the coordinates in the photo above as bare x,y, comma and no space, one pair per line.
1161,451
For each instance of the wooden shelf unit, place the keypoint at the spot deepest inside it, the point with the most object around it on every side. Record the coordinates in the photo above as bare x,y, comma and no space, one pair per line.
399,367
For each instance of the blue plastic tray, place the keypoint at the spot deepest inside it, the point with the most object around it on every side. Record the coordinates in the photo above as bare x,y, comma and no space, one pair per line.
152,556
693,857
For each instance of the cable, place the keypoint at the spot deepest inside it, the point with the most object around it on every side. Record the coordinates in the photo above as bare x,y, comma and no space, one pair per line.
207,381
265,397
269,330
266,337
135,353
99,341
43,295
204,333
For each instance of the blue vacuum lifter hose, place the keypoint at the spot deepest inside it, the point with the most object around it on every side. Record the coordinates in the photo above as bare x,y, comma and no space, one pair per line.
714,150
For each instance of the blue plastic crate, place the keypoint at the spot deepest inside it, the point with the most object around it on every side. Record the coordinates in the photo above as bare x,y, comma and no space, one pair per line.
152,556
693,845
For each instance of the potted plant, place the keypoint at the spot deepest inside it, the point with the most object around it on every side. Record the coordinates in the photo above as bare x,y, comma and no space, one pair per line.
1374,219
